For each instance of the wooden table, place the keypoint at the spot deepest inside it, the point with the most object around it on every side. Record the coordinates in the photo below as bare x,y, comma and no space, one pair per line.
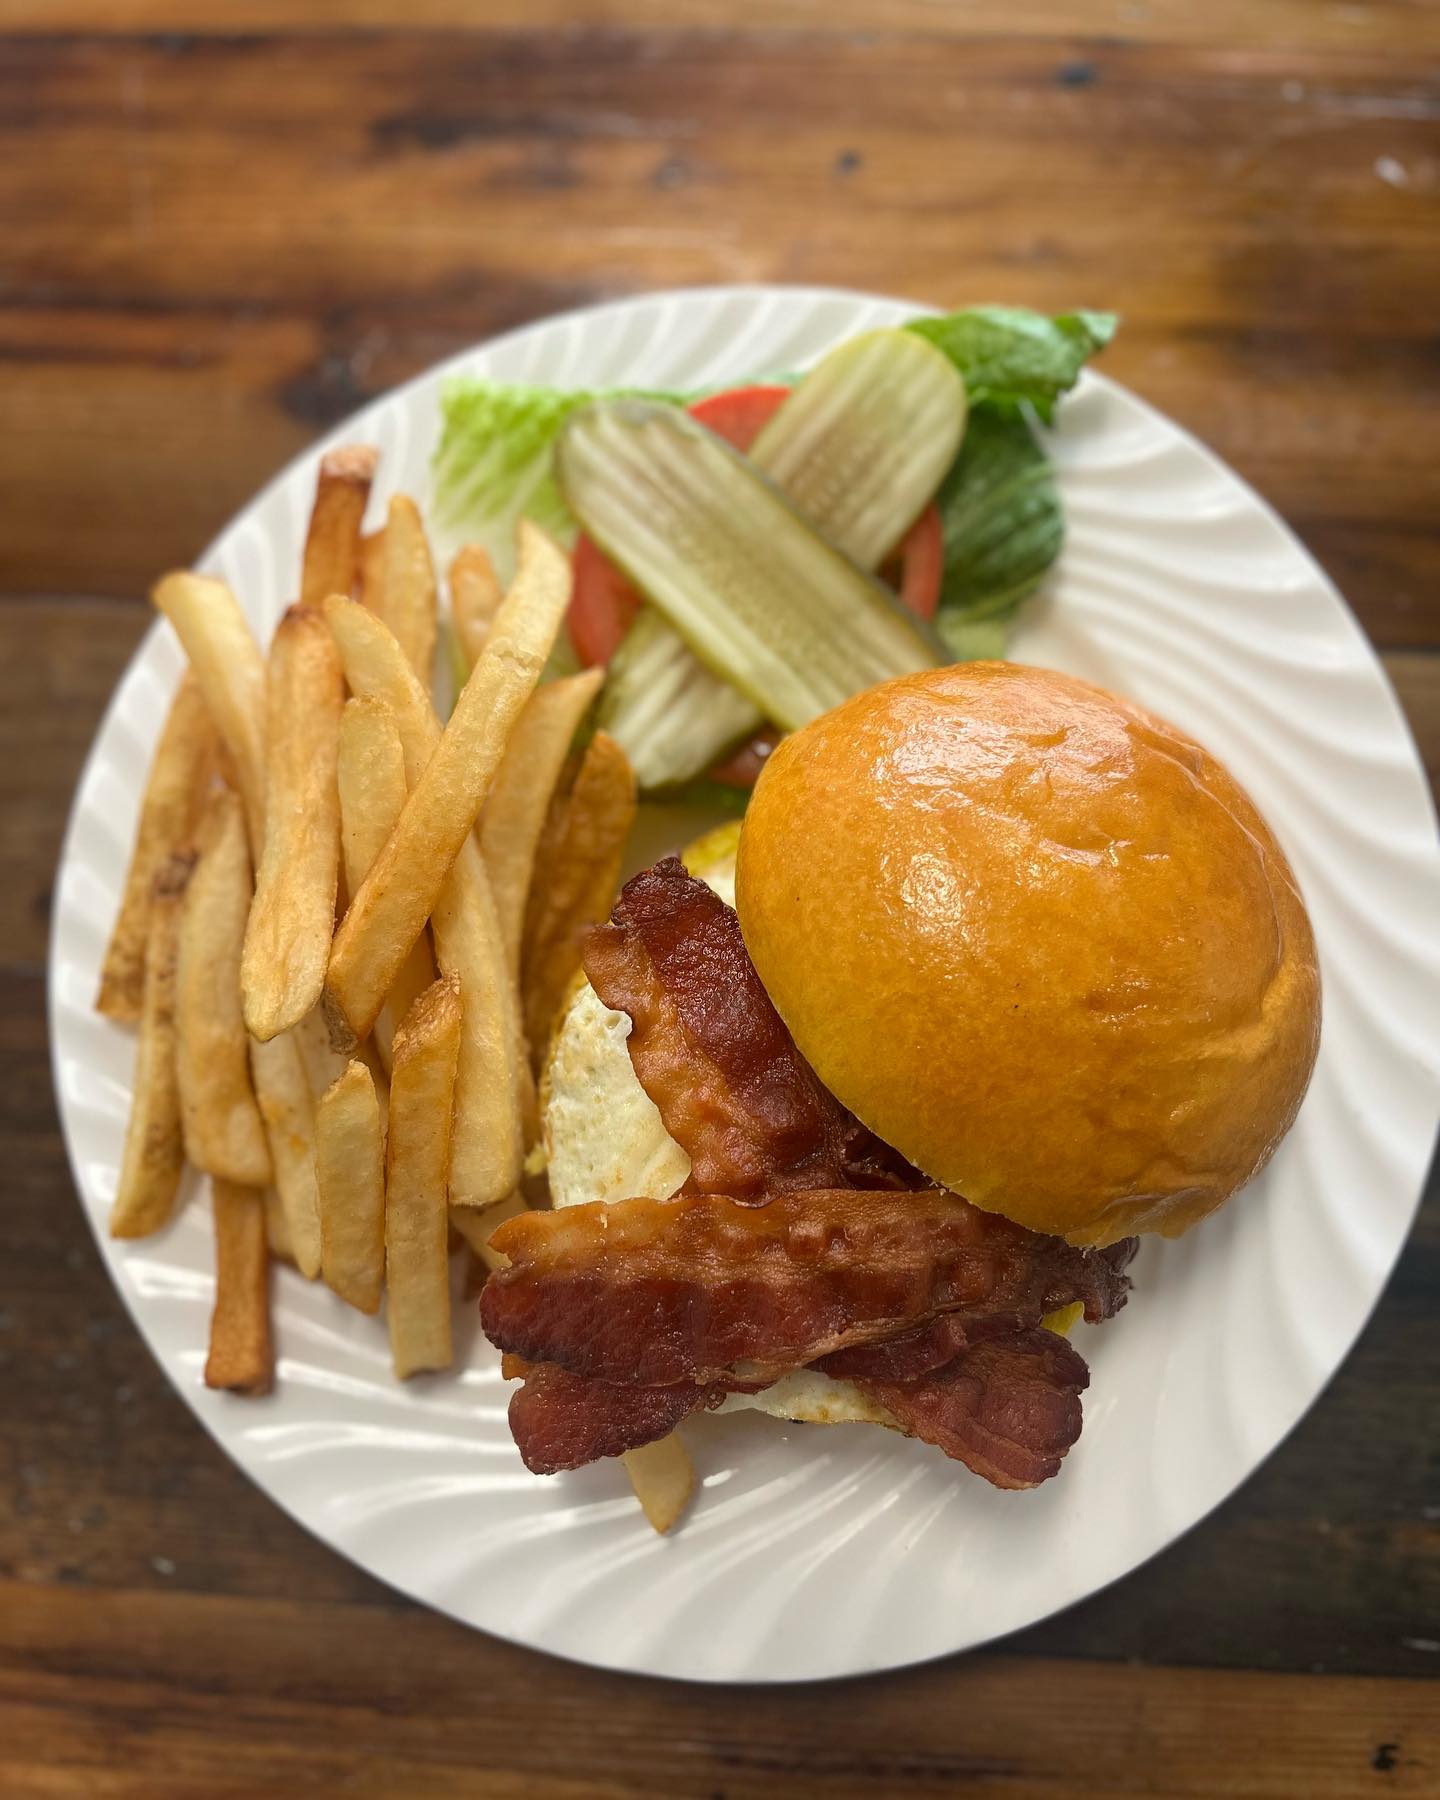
223,227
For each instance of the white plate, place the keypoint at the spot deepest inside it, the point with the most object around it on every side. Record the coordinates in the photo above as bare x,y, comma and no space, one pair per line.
814,1552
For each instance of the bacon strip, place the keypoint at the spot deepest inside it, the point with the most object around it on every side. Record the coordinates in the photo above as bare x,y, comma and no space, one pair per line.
903,1358
1008,1406
1006,1403
696,1288
713,1054
563,1421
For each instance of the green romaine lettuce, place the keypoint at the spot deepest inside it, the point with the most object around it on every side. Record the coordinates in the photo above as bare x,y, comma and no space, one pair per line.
1000,510
1000,503
1011,357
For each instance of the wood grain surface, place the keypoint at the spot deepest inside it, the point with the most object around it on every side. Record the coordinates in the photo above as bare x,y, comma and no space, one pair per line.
221,229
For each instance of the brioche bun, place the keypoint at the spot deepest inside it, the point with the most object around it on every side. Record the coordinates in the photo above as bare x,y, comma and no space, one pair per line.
1039,941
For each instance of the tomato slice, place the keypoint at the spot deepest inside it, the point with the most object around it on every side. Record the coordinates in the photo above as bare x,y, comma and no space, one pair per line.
603,604
738,415
922,563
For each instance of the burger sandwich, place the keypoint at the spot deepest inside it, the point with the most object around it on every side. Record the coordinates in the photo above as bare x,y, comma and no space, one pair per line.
853,1116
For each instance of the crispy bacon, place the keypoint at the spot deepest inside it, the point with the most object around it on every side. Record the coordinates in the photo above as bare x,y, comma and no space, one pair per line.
714,1055
1008,1406
902,1358
1005,1402
695,1288
563,1421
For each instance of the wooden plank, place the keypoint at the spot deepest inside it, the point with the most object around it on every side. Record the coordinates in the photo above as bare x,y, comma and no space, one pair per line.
1282,24
1417,684
194,287
164,1695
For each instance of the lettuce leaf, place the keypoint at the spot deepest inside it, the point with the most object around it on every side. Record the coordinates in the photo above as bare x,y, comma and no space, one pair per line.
1000,504
1000,510
1012,358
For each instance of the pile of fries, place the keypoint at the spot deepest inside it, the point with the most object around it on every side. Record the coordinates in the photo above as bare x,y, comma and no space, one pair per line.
346,929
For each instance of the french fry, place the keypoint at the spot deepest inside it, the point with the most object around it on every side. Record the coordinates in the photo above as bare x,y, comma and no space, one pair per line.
174,795
350,1178
380,1079
494,1093
277,1231
223,1131
292,919
324,1064
332,543
372,794
515,811
241,1355
417,1156
475,598
288,1110
576,880
372,561
154,1152
663,1478
399,894
377,671
475,1224
493,1082
223,654
404,595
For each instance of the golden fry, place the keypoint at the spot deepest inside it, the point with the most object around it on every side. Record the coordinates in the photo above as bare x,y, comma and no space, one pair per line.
493,1084
663,1478
400,891
332,544
577,873
405,594
242,1356
475,1225
493,1090
288,1110
350,1179
475,597
287,940
154,1153
277,1231
222,651
377,671
371,777
322,1062
372,562
224,1133
515,811
174,795
422,1091
372,795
